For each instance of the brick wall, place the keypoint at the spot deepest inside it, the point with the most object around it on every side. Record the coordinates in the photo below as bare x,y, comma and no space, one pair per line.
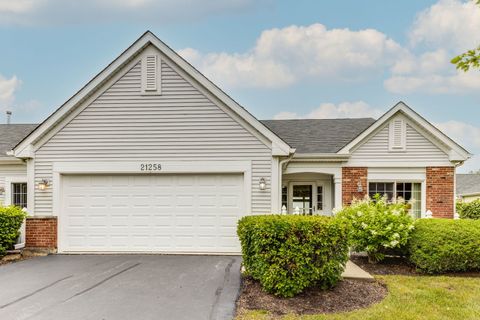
440,191
350,178
41,232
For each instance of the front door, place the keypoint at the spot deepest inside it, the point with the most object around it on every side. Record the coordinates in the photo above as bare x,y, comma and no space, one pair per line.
302,199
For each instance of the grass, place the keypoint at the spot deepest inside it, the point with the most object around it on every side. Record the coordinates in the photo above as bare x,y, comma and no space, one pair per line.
409,298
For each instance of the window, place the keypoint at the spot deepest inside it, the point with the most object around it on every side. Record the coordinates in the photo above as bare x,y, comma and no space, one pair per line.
409,191
381,188
320,198
285,197
19,194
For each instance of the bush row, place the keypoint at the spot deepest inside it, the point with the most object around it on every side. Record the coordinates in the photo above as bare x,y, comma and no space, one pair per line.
469,210
445,245
287,254
11,219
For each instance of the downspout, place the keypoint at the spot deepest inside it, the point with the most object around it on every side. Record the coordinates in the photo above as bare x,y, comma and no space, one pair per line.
280,172
455,214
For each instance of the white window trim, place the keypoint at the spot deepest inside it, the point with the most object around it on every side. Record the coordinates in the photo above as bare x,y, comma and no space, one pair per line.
8,201
391,136
8,187
423,188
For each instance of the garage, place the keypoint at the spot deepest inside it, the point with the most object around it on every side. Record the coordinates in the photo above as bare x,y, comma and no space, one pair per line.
171,213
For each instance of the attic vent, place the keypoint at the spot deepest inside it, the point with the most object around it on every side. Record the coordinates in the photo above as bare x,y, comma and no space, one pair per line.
150,74
397,135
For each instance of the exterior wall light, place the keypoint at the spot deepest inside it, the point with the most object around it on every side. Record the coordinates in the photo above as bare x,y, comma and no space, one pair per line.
2,190
359,186
262,184
43,184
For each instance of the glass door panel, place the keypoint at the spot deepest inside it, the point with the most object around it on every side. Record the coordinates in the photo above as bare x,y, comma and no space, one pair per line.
302,198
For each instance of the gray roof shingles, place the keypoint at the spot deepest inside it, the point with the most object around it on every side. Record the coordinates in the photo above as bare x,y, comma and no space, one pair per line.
318,135
468,184
11,134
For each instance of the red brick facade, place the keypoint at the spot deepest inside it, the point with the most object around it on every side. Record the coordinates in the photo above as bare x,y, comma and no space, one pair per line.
440,191
41,232
350,178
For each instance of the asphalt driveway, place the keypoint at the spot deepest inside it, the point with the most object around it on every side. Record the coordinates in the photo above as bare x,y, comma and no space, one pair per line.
120,287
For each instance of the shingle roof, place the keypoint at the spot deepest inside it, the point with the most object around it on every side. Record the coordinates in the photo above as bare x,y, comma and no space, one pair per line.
318,135
468,184
11,134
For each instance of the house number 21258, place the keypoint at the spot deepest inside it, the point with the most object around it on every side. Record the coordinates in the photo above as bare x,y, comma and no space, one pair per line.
150,167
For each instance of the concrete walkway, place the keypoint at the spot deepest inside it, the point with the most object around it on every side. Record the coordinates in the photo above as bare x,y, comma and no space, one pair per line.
352,271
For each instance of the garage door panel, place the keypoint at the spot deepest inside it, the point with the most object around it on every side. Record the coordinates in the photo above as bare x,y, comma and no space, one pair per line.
158,213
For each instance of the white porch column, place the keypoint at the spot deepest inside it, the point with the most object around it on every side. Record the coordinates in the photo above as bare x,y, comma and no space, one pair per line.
337,179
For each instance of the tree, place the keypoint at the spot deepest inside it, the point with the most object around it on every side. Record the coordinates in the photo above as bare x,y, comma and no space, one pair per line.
469,59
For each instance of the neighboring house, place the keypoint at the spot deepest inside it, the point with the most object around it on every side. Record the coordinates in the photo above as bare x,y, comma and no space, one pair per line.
13,171
468,187
150,156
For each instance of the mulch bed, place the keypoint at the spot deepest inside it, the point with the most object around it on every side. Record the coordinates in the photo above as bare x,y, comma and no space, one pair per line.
389,266
348,295
400,266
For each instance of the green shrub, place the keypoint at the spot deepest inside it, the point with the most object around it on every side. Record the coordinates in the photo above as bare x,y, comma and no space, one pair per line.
11,219
441,245
469,210
290,253
377,226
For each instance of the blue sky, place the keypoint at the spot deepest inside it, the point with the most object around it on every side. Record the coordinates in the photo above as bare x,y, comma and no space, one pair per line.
282,59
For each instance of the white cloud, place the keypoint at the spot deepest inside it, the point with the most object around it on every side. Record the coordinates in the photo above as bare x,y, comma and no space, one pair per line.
446,28
285,56
467,136
357,109
67,12
452,24
7,90
16,6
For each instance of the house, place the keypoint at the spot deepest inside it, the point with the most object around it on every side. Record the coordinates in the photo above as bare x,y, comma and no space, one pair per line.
150,156
468,187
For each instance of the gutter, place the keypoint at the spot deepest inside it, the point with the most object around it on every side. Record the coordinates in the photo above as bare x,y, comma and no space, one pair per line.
322,156
281,165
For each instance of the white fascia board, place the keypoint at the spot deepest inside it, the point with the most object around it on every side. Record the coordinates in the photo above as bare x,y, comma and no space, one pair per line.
427,126
278,145
329,157
468,194
24,152
10,160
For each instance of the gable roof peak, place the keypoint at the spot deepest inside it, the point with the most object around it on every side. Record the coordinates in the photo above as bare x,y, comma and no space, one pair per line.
279,146
457,153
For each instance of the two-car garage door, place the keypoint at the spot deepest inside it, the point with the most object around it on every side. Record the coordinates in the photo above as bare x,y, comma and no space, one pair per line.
151,213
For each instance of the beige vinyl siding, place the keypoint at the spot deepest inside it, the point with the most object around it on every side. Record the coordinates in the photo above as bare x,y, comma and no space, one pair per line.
418,149
12,170
180,124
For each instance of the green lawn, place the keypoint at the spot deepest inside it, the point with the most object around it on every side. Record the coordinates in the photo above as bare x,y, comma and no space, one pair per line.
411,298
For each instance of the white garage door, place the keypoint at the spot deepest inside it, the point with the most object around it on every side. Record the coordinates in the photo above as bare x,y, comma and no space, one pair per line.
156,213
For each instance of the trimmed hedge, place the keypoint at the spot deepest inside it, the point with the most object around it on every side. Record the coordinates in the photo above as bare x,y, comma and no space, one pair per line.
11,219
287,254
443,245
469,210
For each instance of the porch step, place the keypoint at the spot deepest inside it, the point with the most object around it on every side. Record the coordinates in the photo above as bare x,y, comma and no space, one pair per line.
352,271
